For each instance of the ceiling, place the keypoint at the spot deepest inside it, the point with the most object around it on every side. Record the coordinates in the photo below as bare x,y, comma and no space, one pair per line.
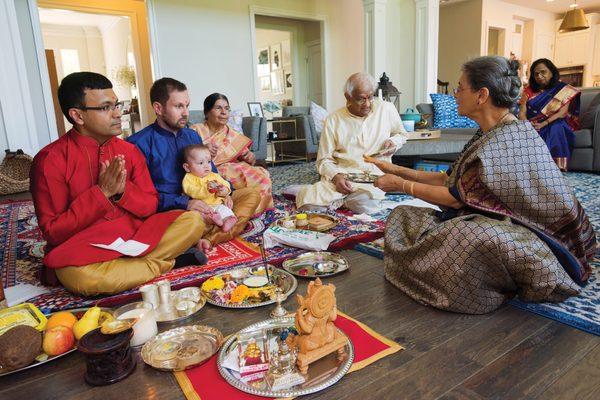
74,18
557,6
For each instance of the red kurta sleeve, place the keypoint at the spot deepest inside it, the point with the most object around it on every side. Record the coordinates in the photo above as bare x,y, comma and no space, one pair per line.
140,197
59,218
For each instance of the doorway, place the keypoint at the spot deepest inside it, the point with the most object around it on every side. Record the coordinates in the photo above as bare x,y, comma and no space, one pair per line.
289,62
105,36
495,45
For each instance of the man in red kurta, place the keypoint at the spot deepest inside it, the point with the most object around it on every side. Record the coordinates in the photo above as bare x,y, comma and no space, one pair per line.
90,187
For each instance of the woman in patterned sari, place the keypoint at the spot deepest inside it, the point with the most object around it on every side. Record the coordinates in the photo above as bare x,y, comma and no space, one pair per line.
552,107
231,150
510,225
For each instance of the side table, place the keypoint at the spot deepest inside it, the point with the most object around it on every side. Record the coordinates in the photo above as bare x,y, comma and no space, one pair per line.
287,135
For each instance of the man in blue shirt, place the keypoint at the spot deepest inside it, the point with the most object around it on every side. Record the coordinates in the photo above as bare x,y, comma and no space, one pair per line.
163,142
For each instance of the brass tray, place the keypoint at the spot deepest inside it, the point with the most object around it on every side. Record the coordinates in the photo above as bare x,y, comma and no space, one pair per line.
316,264
323,228
281,278
43,358
361,177
182,348
169,313
321,374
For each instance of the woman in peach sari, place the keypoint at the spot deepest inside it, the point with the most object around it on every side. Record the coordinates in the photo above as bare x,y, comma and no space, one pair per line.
231,150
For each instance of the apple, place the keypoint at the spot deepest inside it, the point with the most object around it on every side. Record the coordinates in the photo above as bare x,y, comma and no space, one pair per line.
58,340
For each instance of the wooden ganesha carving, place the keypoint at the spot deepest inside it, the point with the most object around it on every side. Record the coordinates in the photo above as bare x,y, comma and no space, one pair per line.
317,335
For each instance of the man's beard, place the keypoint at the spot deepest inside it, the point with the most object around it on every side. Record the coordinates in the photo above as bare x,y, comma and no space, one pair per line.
181,123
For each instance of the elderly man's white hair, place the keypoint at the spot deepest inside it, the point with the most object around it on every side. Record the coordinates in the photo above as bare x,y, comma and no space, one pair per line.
360,80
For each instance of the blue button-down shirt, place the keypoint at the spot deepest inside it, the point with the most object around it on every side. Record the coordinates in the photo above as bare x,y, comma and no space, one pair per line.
164,156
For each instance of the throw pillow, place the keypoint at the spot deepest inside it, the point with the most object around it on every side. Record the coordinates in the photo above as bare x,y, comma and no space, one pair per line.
586,119
319,114
235,119
445,113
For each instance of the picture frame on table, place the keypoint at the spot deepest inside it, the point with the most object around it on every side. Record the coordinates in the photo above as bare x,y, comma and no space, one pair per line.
256,109
277,82
276,57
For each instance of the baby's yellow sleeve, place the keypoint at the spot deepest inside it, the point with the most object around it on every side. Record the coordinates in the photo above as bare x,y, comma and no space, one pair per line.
221,181
193,187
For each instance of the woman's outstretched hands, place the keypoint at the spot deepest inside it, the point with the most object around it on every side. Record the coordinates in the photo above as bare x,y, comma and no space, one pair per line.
384,166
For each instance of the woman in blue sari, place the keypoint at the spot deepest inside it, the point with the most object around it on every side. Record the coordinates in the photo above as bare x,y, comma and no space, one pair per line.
552,107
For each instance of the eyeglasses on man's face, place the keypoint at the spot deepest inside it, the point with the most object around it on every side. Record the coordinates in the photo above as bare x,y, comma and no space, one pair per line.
363,100
105,108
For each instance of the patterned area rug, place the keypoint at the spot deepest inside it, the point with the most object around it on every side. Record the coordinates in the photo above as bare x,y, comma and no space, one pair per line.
23,250
582,311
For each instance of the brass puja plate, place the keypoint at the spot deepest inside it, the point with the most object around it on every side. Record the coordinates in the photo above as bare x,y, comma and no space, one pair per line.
361,177
316,222
43,358
258,296
316,264
182,348
184,303
321,374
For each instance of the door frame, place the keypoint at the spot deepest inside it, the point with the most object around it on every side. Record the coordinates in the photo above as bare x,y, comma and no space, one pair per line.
308,45
292,14
140,36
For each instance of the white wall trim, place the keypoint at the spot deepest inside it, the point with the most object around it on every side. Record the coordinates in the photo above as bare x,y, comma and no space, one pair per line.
427,15
15,97
43,66
294,14
153,36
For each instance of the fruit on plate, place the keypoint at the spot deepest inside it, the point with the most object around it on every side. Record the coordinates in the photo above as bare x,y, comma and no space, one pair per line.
61,318
87,323
58,340
19,346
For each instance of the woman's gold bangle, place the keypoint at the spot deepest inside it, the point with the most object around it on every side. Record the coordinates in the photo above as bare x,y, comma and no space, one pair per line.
412,189
403,182
416,174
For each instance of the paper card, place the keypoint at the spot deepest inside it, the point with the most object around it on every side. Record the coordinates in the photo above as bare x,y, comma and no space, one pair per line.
412,202
130,248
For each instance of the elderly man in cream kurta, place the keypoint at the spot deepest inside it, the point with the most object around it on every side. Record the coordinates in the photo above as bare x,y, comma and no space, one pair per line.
365,126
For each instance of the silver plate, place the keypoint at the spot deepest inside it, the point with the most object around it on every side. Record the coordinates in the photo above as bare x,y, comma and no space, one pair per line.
289,285
170,314
317,264
182,348
321,374
36,363
364,177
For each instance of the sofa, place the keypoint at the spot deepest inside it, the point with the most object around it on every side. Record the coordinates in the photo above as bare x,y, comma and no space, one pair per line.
586,152
253,127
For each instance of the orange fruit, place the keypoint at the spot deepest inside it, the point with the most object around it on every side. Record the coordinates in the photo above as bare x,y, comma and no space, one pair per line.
61,318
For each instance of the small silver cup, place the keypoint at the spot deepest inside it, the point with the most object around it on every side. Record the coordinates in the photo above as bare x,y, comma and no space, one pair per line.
150,294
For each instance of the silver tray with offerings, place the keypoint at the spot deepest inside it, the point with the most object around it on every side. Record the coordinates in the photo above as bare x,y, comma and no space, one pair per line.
316,264
182,348
322,373
248,287
361,177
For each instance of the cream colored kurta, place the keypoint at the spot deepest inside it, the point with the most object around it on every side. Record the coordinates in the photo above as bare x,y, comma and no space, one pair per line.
344,141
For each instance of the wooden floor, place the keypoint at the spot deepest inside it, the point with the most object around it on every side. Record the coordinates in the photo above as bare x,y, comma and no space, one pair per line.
508,354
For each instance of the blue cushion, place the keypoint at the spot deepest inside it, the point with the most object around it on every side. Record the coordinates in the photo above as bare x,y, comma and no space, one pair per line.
445,113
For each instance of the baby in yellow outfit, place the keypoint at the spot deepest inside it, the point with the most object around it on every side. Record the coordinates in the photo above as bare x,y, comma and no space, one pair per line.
200,183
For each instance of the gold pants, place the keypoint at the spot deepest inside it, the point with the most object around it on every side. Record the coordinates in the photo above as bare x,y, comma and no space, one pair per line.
245,203
124,273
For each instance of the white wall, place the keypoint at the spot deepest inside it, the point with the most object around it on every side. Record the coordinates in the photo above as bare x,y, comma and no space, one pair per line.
86,40
499,14
115,37
208,44
460,38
